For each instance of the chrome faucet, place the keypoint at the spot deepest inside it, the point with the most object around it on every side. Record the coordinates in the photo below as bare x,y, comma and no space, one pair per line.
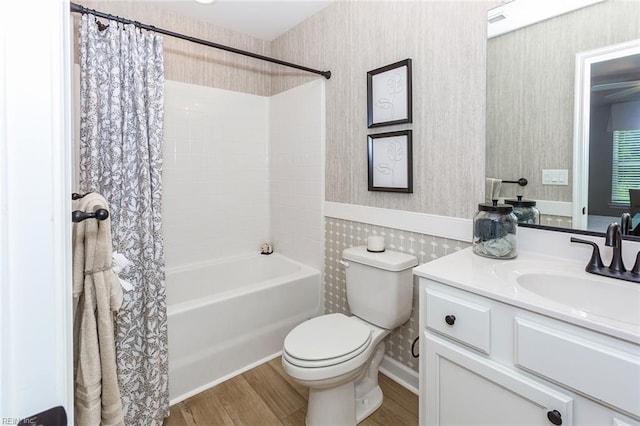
613,238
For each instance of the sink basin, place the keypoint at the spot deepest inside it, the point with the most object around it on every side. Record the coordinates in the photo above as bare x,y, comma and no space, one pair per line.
606,298
567,284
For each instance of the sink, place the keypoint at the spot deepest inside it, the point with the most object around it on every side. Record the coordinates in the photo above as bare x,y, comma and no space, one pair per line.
567,284
606,298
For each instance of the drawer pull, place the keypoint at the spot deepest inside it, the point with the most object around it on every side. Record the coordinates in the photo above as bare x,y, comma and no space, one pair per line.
450,319
554,417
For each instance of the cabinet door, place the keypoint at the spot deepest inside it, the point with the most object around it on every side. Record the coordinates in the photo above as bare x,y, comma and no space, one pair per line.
463,388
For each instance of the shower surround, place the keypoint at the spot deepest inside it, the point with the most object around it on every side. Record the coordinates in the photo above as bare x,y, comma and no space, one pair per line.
216,176
240,170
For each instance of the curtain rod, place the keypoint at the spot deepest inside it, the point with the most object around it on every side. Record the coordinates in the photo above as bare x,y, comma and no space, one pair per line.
76,8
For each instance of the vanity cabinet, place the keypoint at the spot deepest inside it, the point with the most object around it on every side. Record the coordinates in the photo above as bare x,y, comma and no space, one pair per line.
485,362
470,390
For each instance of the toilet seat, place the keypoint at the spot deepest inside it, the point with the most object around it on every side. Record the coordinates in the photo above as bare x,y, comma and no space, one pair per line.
326,340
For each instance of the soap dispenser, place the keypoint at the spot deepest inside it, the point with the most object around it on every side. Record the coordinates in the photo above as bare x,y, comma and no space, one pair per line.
494,231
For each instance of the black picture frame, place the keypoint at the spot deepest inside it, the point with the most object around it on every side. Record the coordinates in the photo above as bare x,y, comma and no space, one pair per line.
389,99
390,161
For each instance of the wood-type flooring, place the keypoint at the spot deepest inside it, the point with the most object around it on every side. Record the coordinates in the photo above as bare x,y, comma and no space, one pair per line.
265,395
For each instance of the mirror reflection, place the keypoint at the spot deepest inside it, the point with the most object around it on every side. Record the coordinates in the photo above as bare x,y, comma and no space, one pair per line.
534,130
609,136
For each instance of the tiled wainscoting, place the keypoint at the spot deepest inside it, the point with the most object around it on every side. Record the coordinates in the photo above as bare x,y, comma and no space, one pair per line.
558,221
341,234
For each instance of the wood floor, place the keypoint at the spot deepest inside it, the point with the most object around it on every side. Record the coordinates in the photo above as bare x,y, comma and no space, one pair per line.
265,395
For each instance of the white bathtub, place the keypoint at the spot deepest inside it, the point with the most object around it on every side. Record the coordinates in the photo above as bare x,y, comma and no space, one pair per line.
228,316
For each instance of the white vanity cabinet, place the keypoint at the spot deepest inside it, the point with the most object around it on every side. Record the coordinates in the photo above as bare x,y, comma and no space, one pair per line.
485,362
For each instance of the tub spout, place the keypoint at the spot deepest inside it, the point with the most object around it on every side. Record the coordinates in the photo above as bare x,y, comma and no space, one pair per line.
266,248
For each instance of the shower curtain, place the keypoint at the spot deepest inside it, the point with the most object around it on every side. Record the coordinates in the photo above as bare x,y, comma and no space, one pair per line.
121,120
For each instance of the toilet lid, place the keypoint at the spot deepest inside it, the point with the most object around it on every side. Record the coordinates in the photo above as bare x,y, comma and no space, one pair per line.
327,340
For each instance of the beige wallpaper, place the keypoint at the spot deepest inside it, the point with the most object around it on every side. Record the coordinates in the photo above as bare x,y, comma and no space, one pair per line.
446,41
192,63
530,93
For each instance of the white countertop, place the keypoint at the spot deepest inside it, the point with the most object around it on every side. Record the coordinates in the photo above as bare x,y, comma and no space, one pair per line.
495,279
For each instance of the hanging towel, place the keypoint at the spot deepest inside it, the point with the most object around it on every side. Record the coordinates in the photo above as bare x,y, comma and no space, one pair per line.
96,294
492,189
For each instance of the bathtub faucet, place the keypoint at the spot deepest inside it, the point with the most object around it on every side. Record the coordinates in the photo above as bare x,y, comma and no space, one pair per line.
266,248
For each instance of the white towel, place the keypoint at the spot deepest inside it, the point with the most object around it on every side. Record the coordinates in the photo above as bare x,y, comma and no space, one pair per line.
492,189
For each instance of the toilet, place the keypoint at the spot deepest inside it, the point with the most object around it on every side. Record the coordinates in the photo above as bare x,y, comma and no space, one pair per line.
338,356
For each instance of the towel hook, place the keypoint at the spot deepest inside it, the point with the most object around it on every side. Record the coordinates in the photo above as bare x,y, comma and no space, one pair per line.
76,196
79,216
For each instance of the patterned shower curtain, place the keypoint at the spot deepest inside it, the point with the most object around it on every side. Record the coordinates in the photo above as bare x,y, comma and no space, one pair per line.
121,102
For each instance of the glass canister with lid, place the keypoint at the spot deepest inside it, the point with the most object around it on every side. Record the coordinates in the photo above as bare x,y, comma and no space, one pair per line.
495,231
525,210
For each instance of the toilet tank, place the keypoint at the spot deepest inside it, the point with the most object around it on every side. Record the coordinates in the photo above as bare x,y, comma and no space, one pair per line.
379,285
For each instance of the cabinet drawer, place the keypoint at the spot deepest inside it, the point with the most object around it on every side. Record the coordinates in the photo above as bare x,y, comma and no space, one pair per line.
612,376
464,321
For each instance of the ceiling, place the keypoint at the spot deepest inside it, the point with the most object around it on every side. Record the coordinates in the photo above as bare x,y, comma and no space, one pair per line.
264,19
616,80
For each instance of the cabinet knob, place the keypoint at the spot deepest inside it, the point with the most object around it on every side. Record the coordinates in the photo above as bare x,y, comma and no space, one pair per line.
450,319
554,417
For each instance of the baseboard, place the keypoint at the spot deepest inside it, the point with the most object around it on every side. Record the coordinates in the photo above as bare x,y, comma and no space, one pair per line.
400,374
391,368
217,381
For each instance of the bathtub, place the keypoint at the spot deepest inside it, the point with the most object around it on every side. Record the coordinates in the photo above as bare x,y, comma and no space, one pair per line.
228,316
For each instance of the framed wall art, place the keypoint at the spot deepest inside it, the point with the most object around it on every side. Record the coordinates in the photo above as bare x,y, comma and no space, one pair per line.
389,95
390,161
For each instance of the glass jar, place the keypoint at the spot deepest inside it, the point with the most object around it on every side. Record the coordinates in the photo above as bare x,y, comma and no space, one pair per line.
525,210
494,231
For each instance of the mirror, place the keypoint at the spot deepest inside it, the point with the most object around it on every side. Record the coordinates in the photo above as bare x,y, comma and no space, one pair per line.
531,98
607,136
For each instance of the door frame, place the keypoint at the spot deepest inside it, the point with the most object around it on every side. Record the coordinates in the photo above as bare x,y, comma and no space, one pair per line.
581,120
36,343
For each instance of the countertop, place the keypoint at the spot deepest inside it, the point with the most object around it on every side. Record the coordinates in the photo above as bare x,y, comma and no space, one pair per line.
495,279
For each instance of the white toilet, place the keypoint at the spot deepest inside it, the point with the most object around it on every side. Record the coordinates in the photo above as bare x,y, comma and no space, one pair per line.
338,356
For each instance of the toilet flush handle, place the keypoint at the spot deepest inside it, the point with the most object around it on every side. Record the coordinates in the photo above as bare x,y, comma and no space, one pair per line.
343,263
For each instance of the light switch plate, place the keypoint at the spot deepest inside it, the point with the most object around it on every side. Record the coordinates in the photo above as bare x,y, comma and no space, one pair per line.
555,177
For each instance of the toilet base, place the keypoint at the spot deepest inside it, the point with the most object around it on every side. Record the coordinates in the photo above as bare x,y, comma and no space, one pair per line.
350,403
332,406
345,409
368,393
369,403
